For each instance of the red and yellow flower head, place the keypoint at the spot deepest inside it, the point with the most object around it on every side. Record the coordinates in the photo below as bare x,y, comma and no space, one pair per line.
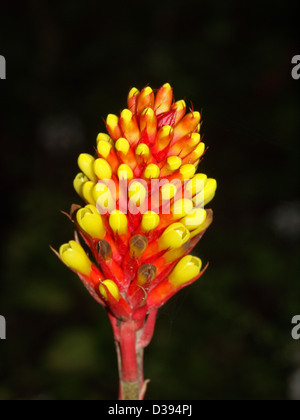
144,206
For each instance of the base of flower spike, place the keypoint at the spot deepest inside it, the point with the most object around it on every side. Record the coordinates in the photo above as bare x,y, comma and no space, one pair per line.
131,338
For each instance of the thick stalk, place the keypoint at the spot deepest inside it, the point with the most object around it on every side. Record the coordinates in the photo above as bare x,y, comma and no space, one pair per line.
130,343
130,362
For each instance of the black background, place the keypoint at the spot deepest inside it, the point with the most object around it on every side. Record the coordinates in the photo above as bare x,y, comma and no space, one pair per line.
69,64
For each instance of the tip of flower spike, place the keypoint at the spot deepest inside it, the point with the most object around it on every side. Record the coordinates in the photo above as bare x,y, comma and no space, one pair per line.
196,115
134,91
91,222
186,270
74,256
150,221
180,105
102,169
118,222
145,99
86,164
111,287
174,236
147,90
163,100
152,171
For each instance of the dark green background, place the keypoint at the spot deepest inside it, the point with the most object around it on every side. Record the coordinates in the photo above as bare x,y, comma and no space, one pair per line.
69,64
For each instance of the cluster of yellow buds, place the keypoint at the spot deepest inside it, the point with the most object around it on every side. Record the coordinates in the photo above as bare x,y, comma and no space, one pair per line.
144,206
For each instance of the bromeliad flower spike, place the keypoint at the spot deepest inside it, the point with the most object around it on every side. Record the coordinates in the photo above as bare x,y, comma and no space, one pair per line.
144,213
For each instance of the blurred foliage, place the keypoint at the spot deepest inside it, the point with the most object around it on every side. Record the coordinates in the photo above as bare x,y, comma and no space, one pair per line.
69,64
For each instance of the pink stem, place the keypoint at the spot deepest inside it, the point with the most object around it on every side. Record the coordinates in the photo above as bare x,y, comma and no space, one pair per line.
128,351
130,344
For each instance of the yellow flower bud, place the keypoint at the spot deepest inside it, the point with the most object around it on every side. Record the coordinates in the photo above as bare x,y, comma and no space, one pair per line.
168,191
152,171
196,184
86,164
206,223
195,139
194,219
174,236
137,193
173,163
118,222
186,270
181,208
206,195
104,148
209,190
103,197
187,171
102,169
91,222
87,192
150,221
125,172
112,121
106,138
142,150
134,91
112,288
126,115
198,152
122,145
74,256
78,182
